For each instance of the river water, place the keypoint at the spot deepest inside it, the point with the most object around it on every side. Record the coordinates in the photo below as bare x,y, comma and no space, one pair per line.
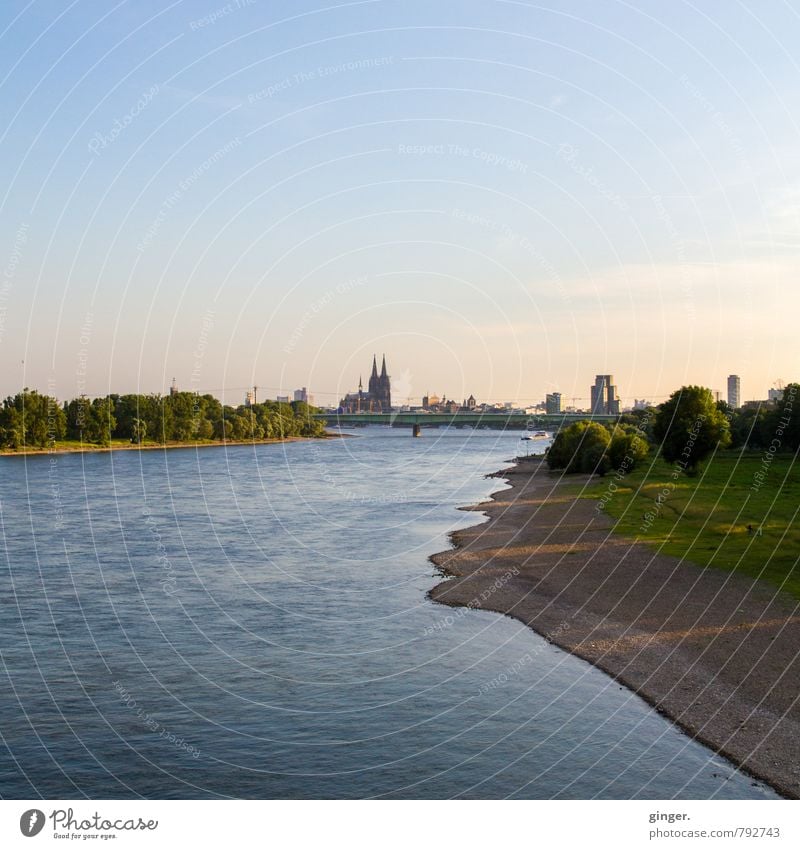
252,621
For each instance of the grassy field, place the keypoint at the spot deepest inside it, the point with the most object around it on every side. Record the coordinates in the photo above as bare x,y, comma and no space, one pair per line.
704,519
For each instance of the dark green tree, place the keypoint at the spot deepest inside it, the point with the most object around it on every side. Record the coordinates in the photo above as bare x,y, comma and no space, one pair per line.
181,416
29,418
100,421
689,427
580,447
749,428
138,431
627,450
784,422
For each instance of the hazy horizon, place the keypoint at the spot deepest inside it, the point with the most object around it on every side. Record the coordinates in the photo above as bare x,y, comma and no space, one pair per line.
504,199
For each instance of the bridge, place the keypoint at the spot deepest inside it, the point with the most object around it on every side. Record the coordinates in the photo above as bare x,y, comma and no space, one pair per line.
496,421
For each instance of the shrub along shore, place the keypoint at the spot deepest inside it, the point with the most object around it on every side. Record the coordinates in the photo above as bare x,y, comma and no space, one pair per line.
31,421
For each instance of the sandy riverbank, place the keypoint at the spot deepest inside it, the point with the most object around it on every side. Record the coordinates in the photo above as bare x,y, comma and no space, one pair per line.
85,448
715,652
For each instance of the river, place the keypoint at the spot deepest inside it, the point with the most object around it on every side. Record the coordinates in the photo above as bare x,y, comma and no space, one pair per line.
252,621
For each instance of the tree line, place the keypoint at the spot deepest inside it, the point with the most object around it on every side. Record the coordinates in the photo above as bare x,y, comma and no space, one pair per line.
686,429
30,419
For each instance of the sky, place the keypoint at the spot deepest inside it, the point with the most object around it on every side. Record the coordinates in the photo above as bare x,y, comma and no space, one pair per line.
505,198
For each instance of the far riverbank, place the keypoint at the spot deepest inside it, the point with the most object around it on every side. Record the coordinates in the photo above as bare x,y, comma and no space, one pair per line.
715,652
85,448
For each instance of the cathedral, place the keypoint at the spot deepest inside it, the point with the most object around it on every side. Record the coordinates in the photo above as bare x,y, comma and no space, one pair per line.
378,399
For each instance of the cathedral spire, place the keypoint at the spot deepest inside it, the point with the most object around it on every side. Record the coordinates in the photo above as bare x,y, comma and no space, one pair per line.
374,365
383,367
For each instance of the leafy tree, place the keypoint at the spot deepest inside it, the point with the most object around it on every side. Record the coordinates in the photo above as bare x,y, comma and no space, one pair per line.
689,427
90,421
100,421
138,431
627,450
308,426
12,425
580,447
749,428
642,421
784,422
181,417
592,449
29,418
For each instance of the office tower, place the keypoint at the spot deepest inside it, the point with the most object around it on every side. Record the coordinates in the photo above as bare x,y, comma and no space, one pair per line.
604,399
734,391
552,403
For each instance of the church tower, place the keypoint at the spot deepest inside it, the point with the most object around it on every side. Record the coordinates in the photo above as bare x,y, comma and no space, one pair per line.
374,388
385,388
377,398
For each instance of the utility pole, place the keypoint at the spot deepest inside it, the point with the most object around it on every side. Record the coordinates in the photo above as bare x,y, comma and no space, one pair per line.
255,395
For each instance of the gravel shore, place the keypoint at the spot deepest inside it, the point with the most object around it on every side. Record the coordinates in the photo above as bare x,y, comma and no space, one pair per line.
717,653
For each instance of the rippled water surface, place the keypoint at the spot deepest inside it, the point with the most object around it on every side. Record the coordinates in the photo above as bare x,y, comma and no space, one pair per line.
253,622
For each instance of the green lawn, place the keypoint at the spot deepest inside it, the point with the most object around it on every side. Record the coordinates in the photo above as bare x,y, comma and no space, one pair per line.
705,518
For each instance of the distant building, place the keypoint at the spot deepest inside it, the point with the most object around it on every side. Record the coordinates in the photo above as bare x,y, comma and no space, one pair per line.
775,395
173,390
435,404
758,405
552,403
640,404
250,398
734,391
301,395
378,399
282,399
604,395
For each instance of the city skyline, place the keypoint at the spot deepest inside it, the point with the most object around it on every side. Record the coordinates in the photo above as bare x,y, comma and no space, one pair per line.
322,398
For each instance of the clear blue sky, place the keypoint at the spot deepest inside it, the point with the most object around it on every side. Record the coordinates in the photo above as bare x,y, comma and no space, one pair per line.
504,197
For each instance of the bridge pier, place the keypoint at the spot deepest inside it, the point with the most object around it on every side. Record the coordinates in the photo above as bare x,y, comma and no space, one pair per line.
416,430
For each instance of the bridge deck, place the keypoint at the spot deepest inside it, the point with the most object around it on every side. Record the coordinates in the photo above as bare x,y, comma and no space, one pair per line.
476,419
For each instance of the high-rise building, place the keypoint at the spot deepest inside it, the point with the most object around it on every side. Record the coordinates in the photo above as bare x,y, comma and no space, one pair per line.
552,403
734,391
301,395
604,395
